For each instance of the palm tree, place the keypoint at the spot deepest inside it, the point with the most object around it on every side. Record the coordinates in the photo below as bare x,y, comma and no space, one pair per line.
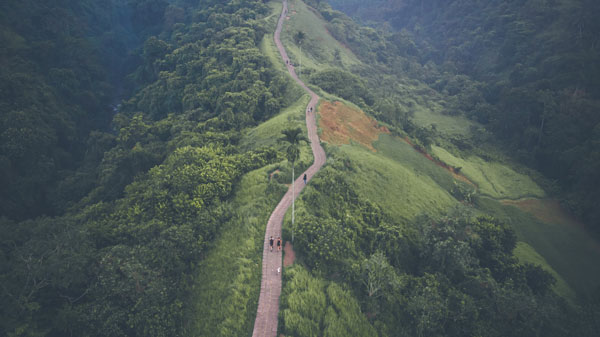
293,137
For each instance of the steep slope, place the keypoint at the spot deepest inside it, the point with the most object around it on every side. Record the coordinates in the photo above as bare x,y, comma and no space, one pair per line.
270,289
369,202
122,261
531,77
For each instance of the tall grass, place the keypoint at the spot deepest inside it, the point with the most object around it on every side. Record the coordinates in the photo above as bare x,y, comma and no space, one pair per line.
312,306
227,283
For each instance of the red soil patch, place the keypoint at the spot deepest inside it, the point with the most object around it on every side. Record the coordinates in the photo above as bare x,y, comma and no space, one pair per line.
341,123
456,175
547,210
290,255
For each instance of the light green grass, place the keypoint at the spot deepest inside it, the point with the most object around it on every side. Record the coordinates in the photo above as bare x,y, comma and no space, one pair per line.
403,191
267,133
493,179
444,124
526,254
398,150
272,19
268,49
227,283
319,46
569,250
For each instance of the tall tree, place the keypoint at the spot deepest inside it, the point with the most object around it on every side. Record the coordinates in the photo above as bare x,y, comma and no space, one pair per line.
293,137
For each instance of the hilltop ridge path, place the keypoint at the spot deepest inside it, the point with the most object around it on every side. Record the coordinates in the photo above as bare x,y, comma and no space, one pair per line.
265,324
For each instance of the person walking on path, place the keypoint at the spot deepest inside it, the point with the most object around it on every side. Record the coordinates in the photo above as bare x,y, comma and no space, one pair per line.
305,178
279,243
271,243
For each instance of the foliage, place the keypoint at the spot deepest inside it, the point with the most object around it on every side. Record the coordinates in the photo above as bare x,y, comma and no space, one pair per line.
343,84
527,71
450,276
293,137
150,196
314,307
224,296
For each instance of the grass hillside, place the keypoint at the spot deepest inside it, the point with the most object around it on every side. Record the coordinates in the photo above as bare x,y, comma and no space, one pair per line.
406,184
319,47
493,179
228,280
402,190
566,248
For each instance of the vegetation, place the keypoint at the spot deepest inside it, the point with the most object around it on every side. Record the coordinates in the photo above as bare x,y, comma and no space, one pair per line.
450,272
449,275
147,218
529,73
150,198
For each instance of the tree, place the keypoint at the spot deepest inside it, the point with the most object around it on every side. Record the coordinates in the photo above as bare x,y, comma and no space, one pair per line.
299,37
378,275
293,137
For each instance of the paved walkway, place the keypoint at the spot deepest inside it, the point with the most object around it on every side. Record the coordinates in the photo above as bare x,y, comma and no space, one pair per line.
270,287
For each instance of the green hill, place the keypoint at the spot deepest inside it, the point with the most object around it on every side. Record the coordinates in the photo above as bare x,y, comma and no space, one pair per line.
148,220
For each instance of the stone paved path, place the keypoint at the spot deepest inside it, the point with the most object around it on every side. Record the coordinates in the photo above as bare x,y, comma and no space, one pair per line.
270,287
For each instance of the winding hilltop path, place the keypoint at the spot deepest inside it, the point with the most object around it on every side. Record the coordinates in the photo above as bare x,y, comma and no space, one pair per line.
270,287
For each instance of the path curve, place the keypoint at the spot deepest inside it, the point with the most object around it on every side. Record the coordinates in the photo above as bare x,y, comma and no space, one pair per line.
270,286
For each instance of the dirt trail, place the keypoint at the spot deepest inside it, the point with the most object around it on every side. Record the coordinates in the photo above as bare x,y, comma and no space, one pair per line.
270,287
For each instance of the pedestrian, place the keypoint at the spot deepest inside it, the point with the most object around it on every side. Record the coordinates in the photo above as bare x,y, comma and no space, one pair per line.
271,243
305,178
279,243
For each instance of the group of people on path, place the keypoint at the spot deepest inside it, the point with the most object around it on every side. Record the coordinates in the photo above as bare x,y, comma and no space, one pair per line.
271,241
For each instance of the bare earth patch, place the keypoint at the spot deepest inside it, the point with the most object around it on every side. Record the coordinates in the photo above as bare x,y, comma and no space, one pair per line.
341,123
290,255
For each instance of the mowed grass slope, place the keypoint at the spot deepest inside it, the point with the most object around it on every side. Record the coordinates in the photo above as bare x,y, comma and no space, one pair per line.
493,179
267,133
402,190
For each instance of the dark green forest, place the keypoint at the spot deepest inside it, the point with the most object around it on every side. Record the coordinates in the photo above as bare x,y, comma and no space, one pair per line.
104,215
122,128
529,71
